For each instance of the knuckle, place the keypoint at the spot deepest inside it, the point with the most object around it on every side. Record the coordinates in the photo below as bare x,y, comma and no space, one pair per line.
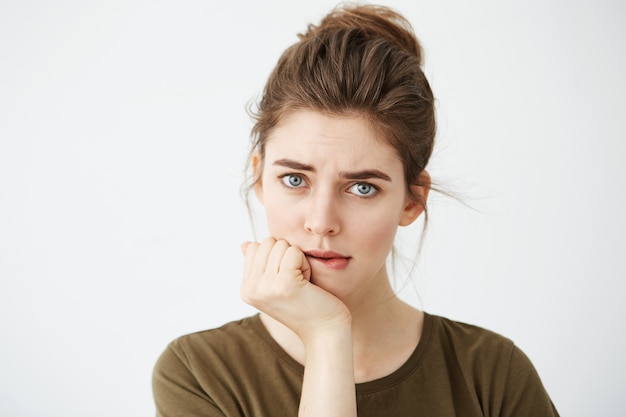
292,251
280,247
250,296
268,241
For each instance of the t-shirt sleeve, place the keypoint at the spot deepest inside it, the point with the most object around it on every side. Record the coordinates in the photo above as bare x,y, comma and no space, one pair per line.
176,391
524,393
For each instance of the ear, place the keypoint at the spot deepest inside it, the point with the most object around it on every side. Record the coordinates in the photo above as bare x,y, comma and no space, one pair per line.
415,205
257,172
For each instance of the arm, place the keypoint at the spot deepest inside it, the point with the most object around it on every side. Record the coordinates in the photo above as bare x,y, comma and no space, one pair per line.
277,282
328,386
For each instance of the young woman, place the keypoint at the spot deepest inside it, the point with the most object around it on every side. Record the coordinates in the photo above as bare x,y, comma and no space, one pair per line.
343,134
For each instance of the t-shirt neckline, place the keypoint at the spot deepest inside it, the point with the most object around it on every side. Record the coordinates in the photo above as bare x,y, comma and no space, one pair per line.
385,382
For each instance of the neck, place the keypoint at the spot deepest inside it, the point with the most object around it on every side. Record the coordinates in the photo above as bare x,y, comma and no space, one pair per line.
376,310
385,331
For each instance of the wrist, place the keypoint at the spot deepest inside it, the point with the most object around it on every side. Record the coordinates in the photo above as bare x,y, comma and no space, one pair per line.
335,331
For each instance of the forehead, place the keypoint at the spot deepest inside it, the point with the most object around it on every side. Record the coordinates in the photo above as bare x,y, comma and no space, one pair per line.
348,141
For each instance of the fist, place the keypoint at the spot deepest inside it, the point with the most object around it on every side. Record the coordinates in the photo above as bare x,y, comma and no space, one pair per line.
276,280
273,271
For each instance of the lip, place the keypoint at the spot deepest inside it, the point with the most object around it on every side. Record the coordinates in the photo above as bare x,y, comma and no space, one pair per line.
329,259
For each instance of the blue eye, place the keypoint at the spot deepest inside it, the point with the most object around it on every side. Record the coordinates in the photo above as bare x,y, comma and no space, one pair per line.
363,189
292,180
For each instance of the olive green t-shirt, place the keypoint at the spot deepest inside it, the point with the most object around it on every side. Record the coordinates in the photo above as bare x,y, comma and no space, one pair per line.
456,370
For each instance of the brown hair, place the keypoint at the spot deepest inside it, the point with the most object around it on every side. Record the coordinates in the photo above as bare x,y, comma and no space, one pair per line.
359,60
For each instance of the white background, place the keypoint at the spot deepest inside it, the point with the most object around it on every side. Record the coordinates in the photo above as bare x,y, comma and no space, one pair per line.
123,134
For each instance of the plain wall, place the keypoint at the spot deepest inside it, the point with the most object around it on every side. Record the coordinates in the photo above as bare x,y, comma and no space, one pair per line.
123,136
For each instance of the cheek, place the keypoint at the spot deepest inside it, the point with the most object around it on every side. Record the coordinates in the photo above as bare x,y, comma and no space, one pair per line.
280,222
385,232
376,234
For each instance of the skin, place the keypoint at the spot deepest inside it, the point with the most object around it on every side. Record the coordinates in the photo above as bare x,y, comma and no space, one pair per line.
334,196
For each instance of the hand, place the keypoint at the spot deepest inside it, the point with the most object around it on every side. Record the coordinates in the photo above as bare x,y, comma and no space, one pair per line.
276,280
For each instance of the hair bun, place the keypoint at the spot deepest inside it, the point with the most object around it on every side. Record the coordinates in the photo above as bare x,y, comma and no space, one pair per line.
373,20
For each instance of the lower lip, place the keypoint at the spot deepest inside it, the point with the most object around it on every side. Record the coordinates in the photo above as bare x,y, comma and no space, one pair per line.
331,263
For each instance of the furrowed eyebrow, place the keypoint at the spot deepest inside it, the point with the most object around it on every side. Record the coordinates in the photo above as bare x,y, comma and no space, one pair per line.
290,163
365,175
356,175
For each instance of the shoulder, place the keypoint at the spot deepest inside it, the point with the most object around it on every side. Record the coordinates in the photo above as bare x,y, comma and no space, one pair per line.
498,371
223,336
194,370
222,371
465,332
221,343
468,342
476,347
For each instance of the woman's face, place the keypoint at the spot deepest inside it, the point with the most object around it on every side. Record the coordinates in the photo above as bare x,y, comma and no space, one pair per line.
336,191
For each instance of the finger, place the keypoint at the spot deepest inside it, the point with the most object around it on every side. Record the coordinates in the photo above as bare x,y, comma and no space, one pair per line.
295,264
276,256
250,255
306,268
244,247
262,255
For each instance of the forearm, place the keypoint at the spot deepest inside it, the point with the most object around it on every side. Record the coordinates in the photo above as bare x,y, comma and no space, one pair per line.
328,389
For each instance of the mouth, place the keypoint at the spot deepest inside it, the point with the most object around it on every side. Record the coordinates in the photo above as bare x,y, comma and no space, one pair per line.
328,259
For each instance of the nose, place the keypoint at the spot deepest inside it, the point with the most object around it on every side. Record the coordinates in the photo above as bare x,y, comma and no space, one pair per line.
323,215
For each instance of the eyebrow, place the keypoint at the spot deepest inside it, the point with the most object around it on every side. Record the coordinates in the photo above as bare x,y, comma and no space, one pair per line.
356,175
